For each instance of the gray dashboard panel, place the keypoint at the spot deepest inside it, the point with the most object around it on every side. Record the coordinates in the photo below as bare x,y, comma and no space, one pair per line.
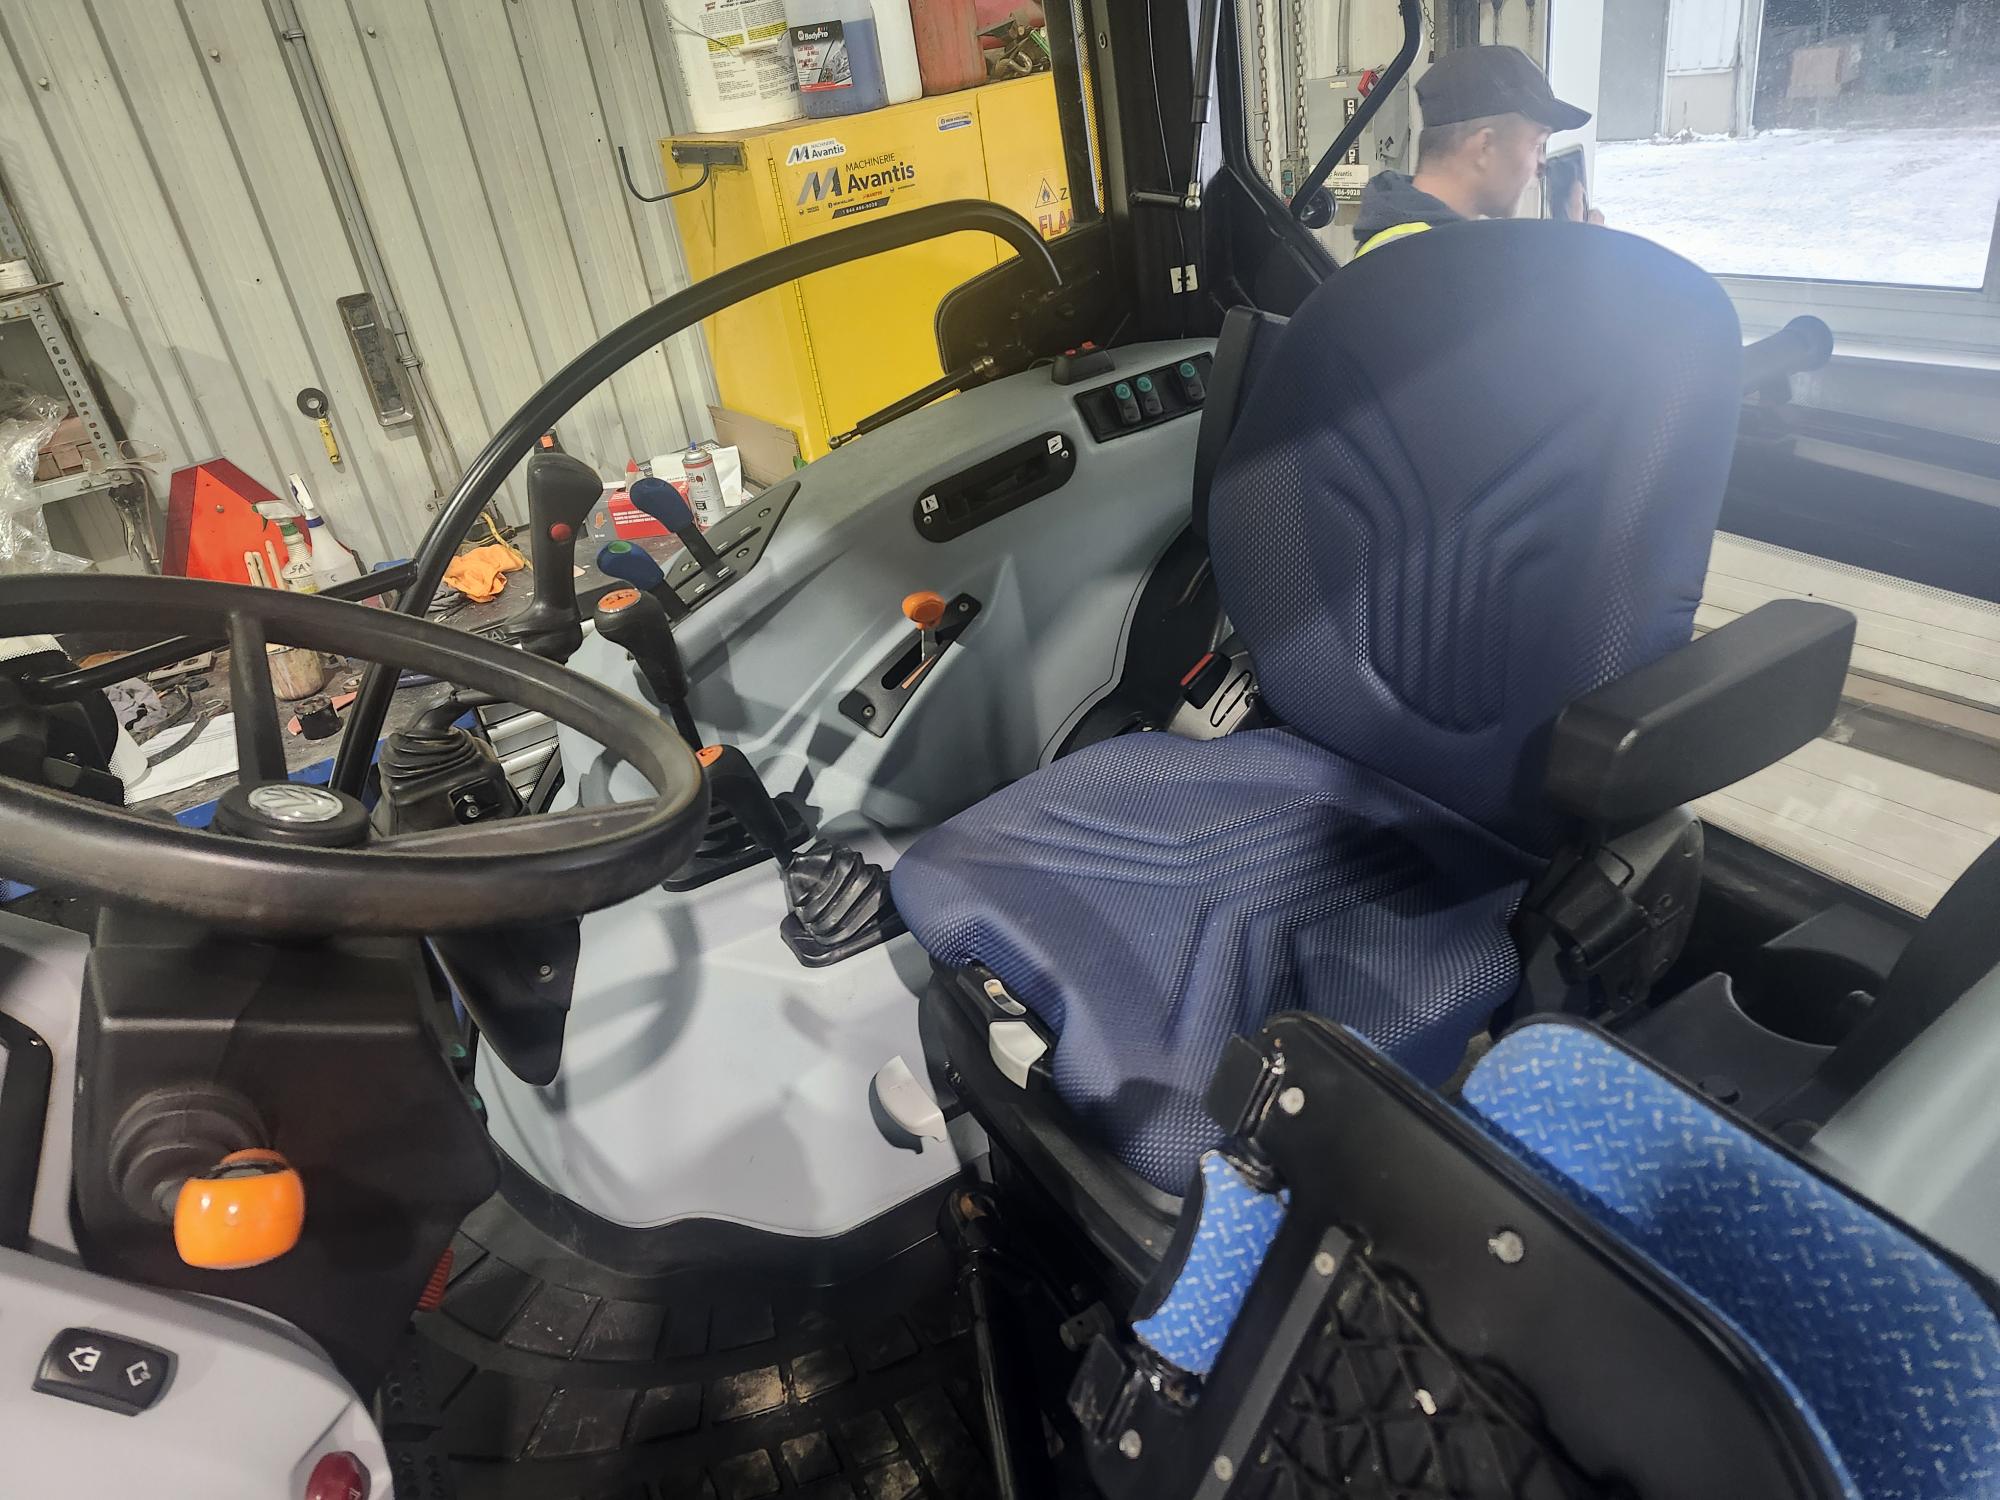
249,1410
1923,1139
1055,578
707,1074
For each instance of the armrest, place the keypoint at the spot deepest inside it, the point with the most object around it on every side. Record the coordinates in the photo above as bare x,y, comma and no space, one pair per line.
1702,717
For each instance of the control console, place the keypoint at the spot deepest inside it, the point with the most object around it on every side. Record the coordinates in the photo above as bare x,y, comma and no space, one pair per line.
1135,402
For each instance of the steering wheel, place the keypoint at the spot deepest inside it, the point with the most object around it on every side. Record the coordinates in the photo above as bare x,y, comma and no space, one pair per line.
296,859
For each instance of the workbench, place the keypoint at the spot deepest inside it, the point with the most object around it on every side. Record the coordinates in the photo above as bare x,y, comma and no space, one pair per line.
409,703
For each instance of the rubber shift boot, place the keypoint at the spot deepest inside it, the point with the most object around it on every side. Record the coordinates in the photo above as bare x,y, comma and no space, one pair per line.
839,904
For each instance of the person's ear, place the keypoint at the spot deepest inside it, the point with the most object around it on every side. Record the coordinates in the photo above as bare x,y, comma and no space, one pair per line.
1488,141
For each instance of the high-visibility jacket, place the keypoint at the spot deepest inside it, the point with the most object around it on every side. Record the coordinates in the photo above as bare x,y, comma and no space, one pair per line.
1393,232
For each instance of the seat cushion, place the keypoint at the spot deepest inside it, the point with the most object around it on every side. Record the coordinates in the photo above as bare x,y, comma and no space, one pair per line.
1150,897
1893,1352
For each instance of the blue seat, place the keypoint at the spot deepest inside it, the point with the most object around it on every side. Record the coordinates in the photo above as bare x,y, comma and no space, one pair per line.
1473,479
1892,1352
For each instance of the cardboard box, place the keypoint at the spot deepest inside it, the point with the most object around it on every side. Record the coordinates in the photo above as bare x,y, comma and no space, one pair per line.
770,452
68,449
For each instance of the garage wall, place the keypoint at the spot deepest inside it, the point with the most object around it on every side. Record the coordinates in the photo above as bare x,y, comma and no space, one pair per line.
1633,69
161,155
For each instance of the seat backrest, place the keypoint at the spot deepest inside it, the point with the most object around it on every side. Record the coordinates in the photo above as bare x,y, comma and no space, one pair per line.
1892,1350
1478,477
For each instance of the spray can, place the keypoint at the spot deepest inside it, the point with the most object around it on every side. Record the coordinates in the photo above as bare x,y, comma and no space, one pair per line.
298,569
704,487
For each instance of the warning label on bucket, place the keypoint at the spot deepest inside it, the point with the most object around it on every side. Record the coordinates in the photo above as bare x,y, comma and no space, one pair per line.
819,55
732,24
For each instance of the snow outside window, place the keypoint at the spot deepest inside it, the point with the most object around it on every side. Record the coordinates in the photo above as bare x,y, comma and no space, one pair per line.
1828,140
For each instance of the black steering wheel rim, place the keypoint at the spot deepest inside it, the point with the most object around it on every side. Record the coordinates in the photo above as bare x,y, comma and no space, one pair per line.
517,870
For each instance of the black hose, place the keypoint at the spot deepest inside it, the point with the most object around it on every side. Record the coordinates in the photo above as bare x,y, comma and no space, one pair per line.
1413,37
618,348
1803,344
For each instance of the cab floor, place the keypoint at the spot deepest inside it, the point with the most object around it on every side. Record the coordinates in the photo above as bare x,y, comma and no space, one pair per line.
709,1386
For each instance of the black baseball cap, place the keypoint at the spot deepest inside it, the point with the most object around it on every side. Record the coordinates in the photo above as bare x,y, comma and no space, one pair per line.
1474,82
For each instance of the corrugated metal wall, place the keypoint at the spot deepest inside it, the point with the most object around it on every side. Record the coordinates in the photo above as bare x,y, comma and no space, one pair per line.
1702,35
161,156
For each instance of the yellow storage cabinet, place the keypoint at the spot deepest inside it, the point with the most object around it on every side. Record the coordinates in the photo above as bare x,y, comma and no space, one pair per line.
822,353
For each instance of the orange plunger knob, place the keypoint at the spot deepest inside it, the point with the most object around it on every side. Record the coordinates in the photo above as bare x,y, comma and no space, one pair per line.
617,600
924,609
249,1208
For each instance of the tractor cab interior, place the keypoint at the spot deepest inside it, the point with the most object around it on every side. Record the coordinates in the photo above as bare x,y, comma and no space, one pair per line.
1153,927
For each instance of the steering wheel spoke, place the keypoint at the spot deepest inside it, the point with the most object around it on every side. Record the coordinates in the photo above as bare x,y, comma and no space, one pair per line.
260,748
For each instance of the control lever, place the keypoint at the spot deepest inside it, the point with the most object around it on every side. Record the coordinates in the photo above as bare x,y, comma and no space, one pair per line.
924,610
733,783
248,1208
634,565
637,622
561,492
666,505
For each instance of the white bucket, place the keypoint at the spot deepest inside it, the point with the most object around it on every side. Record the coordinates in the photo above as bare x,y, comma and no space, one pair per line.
735,61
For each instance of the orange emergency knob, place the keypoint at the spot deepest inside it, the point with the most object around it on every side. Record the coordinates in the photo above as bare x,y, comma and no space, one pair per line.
923,609
249,1208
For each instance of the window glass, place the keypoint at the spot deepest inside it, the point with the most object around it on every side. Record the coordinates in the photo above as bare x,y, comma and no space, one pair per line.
1824,139
1818,139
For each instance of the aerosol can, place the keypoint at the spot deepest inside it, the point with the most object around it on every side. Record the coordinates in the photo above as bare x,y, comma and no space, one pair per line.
704,487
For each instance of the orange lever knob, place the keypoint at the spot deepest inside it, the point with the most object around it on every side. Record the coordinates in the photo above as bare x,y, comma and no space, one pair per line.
923,609
249,1208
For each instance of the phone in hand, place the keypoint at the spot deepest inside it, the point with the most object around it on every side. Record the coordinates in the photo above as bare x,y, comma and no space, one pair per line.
1566,175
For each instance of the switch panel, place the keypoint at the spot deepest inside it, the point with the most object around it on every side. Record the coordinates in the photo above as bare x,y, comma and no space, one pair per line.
102,1369
1143,400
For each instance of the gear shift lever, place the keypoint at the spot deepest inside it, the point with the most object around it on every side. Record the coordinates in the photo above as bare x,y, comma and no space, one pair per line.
635,566
638,623
561,492
924,610
664,504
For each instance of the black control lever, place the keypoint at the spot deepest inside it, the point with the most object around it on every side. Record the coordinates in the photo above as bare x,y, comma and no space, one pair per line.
733,783
561,492
666,505
636,621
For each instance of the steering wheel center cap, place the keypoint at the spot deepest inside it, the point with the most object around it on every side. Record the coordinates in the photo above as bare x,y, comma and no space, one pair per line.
284,812
289,802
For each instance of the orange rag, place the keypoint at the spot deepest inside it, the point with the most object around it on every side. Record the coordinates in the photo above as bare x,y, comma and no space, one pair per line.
478,574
